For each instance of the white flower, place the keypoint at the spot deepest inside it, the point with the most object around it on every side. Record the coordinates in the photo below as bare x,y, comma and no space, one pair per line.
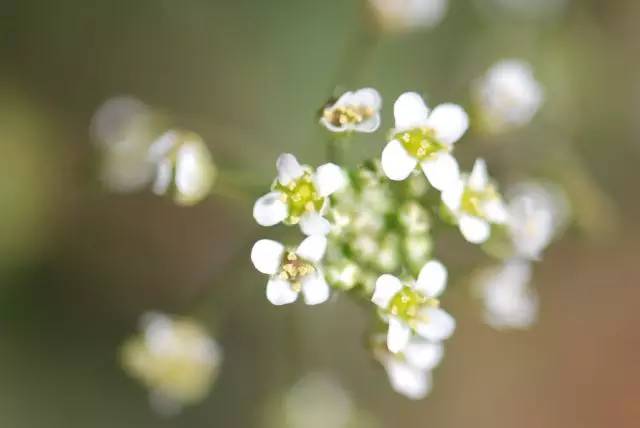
183,159
174,358
426,138
123,129
405,15
300,195
509,300
292,271
409,371
357,111
414,307
509,95
475,203
536,213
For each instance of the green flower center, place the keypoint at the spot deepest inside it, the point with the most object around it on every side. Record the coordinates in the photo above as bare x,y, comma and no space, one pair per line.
344,115
407,302
294,269
421,143
301,196
473,200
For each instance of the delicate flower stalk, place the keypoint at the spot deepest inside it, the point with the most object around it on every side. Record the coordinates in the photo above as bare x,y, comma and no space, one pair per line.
425,138
475,203
292,271
299,195
174,358
183,164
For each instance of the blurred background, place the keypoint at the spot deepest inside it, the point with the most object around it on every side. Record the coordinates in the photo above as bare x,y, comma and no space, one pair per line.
79,263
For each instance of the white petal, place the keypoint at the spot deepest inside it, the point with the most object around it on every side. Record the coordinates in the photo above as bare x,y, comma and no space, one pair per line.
442,171
386,287
312,248
266,256
439,325
330,126
270,209
496,211
398,335
368,97
407,380
193,171
397,163
410,111
288,168
479,178
449,121
423,354
329,178
452,195
432,279
279,292
369,125
314,224
315,289
163,177
474,229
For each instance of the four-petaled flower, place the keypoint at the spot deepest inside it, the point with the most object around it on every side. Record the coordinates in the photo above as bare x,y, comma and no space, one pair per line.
357,111
409,371
508,95
292,271
425,138
475,203
414,306
299,195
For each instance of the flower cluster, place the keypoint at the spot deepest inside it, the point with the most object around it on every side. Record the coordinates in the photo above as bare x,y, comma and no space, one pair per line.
369,231
174,358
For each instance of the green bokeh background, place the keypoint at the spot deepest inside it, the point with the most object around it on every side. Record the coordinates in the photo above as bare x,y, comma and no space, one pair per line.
78,264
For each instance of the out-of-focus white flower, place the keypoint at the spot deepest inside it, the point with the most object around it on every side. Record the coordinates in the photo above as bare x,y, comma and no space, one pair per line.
409,371
406,15
475,203
426,138
509,300
292,271
357,111
123,129
414,307
183,159
300,195
536,214
508,95
174,358
318,401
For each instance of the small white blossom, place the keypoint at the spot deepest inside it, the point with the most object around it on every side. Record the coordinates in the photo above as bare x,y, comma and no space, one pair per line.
508,95
509,300
405,15
423,137
292,271
414,307
409,371
183,159
174,358
123,128
475,203
357,111
300,195
536,214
